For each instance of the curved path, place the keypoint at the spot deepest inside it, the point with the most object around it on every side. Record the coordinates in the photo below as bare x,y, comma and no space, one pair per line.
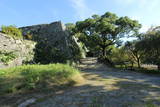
103,87
107,87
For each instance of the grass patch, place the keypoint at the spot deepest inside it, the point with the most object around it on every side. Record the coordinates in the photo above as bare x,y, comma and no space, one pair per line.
37,77
12,31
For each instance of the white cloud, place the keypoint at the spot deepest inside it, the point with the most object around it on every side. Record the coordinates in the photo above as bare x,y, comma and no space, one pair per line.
82,10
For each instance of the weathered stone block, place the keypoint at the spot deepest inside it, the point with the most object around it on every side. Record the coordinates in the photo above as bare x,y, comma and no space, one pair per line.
19,47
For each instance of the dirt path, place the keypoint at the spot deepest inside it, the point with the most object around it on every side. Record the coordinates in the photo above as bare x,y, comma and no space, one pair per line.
106,87
103,87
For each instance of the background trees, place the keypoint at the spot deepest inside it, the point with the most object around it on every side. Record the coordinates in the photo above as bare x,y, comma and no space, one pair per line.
134,51
150,44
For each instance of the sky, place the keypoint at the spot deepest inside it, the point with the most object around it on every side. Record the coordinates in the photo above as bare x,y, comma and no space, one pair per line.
31,12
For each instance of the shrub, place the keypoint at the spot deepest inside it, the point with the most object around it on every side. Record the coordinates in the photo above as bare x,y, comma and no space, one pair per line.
12,31
37,77
46,53
6,57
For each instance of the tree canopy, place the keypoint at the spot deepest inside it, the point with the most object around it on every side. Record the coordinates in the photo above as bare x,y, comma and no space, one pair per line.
150,44
106,30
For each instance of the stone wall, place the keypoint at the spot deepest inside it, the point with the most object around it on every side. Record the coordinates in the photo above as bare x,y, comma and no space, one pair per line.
56,36
23,49
46,38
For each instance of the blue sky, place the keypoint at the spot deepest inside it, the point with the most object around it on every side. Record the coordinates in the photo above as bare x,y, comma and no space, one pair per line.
30,12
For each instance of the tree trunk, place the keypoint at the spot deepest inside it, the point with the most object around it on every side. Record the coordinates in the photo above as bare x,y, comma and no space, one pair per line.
104,51
132,65
158,66
138,62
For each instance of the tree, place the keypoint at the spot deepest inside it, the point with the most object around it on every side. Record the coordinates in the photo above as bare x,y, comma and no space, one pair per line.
134,51
70,27
106,30
119,56
150,44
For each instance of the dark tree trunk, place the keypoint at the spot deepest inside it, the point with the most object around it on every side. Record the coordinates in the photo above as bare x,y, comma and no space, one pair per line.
138,62
158,66
132,65
104,51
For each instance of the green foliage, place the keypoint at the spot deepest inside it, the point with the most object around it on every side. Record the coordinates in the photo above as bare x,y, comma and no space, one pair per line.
37,77
12,31
77,52
119,55
6,57
134,52
105,60
70,27
106,30
45,54
150,45
143,50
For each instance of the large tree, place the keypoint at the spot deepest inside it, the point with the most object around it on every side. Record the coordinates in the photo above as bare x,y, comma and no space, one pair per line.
106,30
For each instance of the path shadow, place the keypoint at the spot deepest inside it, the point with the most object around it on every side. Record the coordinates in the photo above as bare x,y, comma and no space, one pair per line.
98,96
118,89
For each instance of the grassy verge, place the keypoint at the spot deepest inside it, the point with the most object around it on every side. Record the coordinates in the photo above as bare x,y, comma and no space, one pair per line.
37,77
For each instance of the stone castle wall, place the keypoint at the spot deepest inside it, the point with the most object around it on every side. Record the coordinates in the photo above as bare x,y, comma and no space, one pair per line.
23,49
53,35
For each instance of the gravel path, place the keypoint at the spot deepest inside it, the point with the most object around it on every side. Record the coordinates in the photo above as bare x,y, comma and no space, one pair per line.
107,87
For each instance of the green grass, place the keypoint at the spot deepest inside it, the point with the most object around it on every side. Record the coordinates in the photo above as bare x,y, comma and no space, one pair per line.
12,31
37,77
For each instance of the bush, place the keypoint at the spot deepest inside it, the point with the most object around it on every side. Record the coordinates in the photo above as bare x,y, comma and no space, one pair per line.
46,53
12,31
37,77
6,57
